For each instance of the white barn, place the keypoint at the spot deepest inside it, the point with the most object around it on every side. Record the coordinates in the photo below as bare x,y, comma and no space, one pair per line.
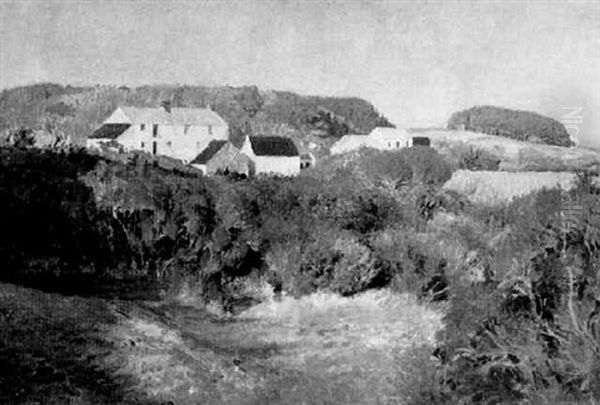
382,138
272,155
181,133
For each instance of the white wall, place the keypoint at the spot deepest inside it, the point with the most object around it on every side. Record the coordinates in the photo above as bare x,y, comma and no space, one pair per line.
172,140
283,165
200,167
389,142
95,143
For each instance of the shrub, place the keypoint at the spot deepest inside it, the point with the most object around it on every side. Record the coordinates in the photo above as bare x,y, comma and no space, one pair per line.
520,125
521,336
414,165
477,159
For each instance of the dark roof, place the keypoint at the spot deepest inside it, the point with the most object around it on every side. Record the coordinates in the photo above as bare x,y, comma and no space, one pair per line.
421,141
110,131
273,146
211,149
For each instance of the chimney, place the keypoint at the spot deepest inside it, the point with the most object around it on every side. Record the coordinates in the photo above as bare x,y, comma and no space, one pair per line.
166,105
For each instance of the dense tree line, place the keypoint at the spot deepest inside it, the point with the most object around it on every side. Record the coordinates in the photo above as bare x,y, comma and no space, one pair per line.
78,110
520,125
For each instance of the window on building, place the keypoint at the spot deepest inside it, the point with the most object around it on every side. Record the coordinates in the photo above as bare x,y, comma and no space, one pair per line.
397,144
186,128
210,129
155,130
154,148
143,145
169,144
142,127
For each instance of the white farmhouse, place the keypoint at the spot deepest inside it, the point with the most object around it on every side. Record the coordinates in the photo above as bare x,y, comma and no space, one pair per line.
272,155
181,133
385,138
382,138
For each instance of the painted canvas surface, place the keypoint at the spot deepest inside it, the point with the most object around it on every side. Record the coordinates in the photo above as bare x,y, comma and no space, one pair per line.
299,202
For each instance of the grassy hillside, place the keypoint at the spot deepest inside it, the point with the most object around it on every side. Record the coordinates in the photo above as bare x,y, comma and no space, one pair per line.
76,111
321,348
520,125
511,154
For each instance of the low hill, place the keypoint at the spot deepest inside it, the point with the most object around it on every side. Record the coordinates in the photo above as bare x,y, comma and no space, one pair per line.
76,111
514,155
520,125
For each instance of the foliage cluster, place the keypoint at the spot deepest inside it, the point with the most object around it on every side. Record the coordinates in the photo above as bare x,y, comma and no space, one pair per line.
79,110
520,282
95,218
527,330
520,125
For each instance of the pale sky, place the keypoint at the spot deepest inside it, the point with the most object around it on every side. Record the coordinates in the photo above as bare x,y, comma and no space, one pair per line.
417,62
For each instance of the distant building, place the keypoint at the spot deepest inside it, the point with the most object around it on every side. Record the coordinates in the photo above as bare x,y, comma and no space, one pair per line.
385,138
181,133
221,157
382,138
272,155
348,143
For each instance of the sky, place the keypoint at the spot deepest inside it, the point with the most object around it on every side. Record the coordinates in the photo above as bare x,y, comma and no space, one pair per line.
416,61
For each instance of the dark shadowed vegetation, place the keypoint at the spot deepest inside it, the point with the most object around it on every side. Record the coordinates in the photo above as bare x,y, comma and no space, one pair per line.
519,283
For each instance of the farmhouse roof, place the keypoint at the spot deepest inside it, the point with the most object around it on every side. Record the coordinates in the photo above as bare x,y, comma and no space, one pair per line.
110,131
211,149
349,141
273,146
177,116
388,131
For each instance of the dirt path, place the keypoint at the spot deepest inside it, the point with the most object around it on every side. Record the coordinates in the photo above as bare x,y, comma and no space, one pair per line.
315,350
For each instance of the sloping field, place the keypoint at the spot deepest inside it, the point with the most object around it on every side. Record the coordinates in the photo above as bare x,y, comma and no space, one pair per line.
314,350
517,155
490,187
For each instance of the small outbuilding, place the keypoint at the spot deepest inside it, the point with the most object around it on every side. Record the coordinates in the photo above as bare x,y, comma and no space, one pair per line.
272,155
382,138
222,157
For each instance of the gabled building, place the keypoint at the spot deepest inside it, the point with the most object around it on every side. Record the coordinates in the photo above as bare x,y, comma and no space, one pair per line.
181,133
349,143
221,157
272,155
382,138
385,138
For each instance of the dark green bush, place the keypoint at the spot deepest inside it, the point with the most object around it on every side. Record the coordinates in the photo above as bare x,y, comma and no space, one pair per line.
477,159
520,125
524,334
